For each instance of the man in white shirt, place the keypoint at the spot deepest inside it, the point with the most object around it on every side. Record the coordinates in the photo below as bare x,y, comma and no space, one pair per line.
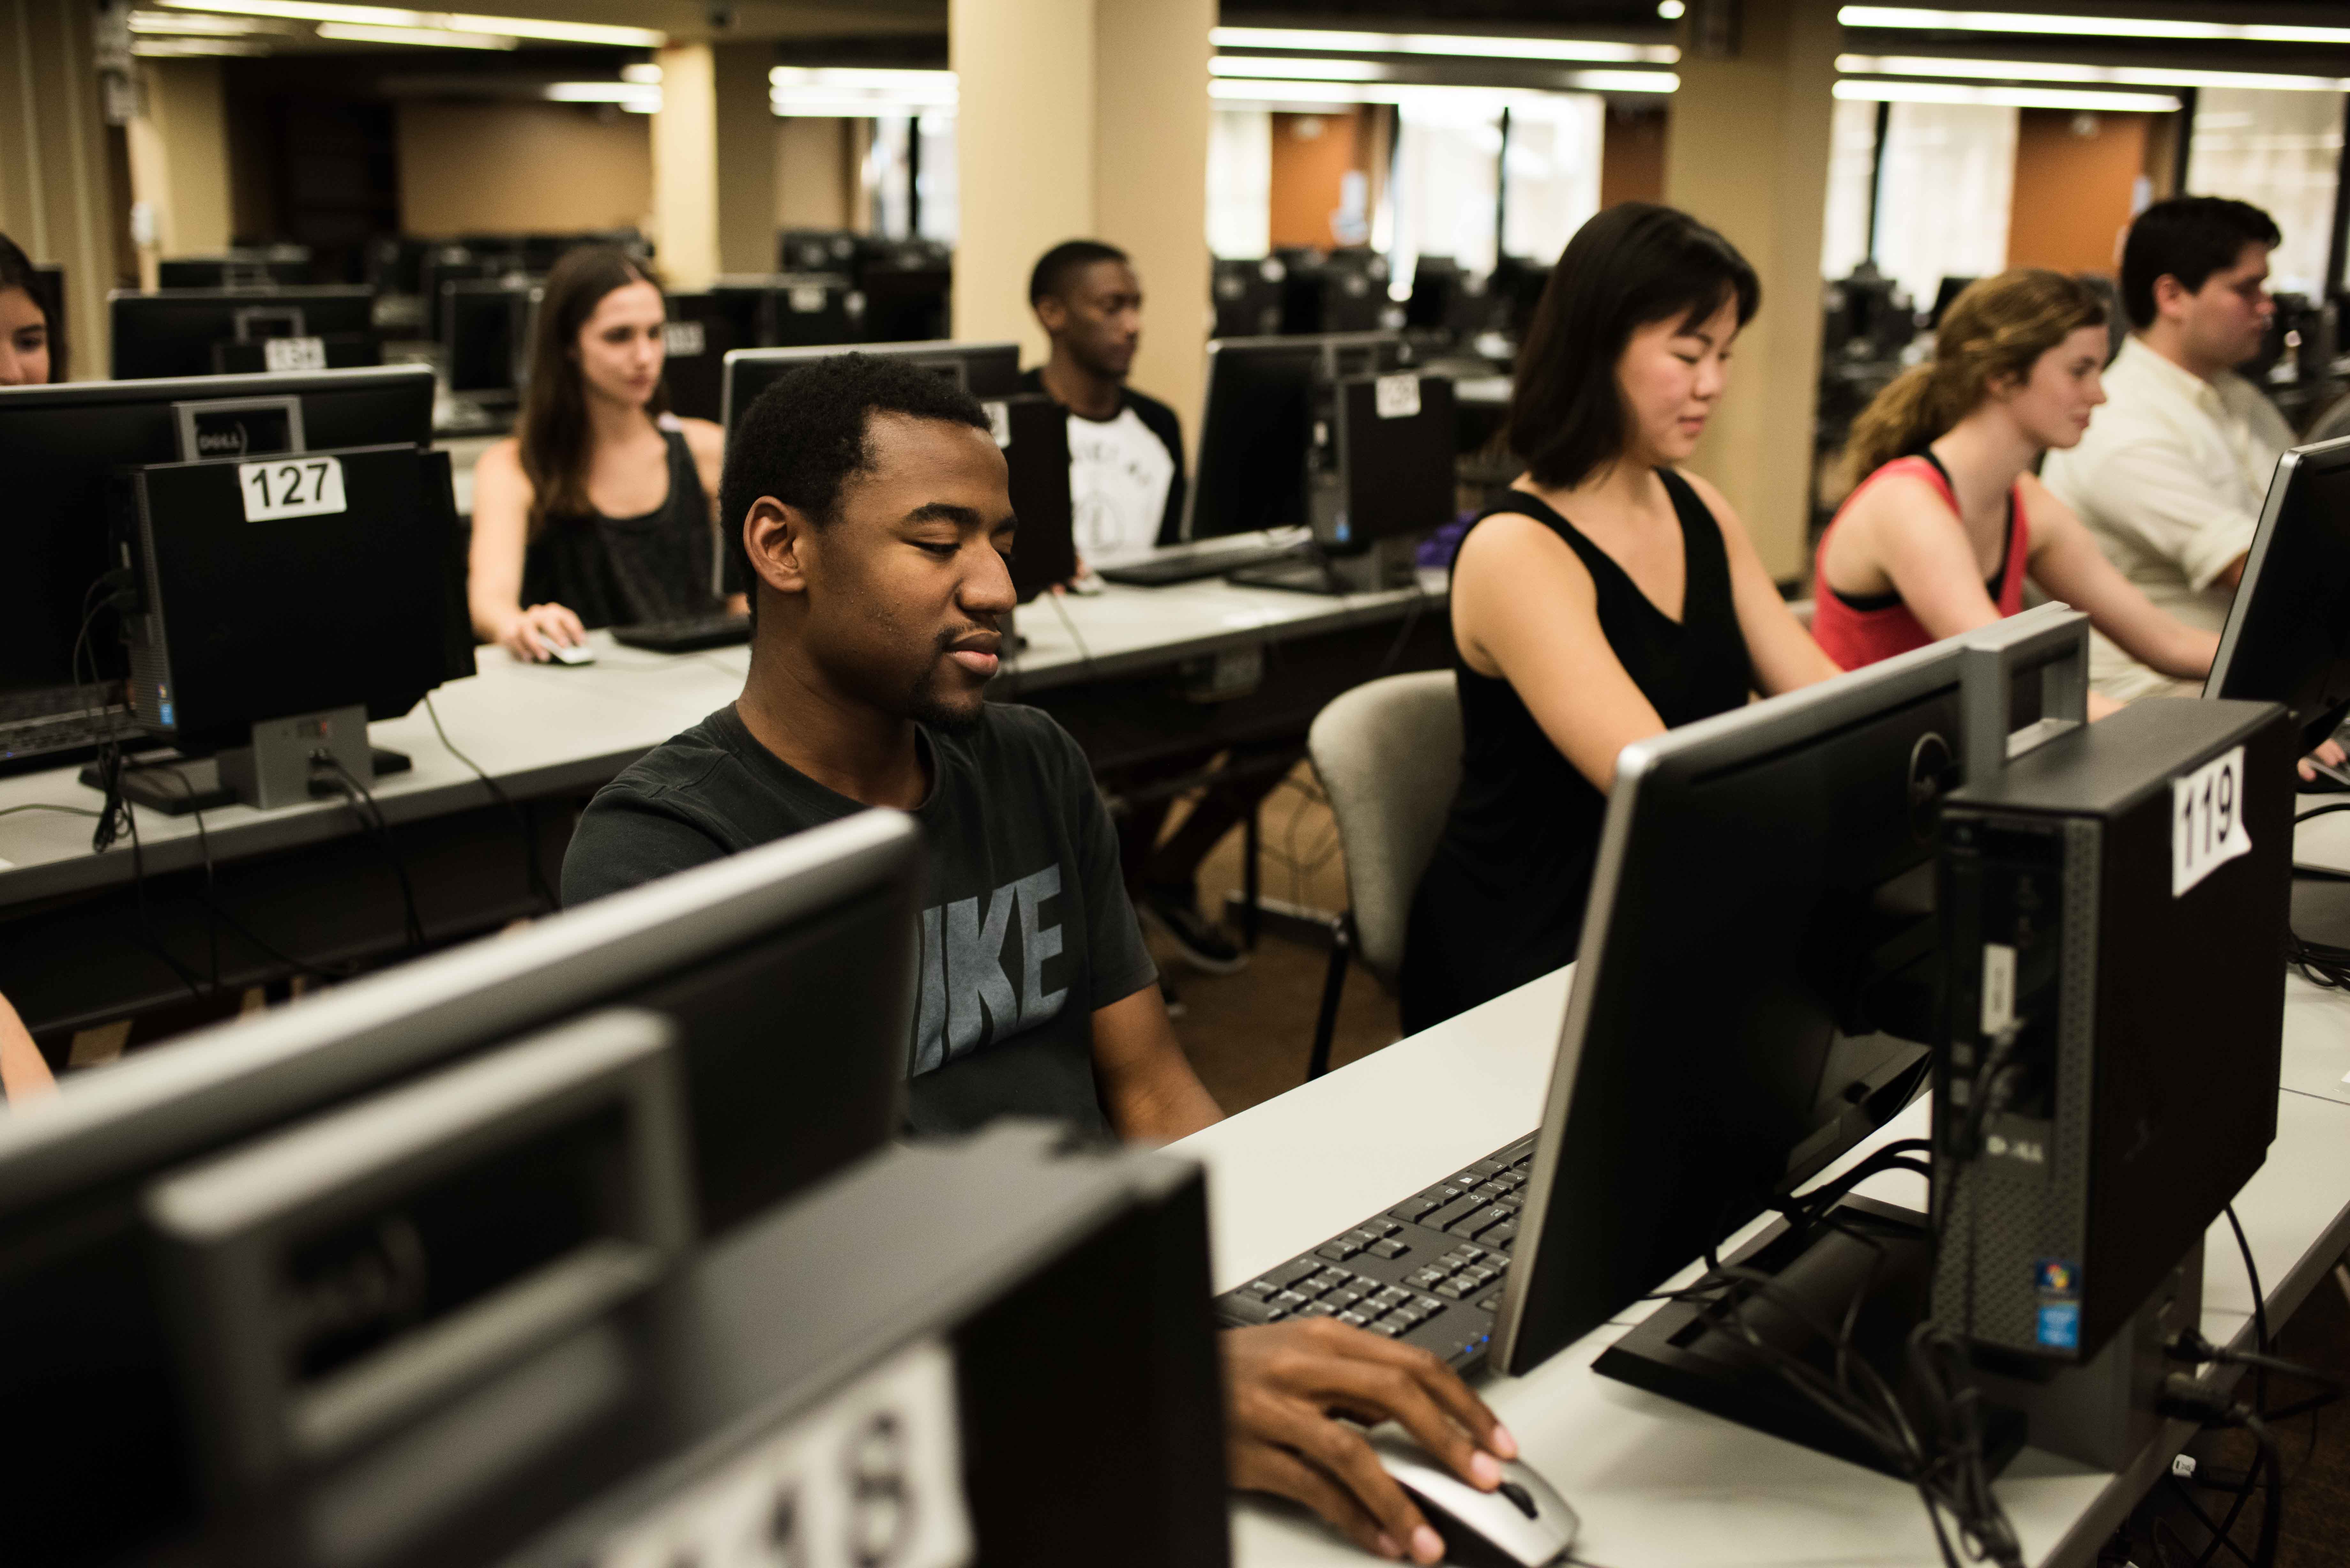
2173,471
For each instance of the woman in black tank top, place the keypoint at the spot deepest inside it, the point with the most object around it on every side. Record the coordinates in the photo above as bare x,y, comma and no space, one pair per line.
602,510
1607,599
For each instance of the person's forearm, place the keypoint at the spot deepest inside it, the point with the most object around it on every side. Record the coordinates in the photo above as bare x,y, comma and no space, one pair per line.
24,1074
491,619
1170,1105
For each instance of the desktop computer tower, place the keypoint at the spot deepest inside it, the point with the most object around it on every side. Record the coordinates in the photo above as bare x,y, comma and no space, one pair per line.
1382,467
2112,905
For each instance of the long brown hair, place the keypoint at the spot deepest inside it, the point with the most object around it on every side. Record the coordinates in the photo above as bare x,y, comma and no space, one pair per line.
1999,327
553,430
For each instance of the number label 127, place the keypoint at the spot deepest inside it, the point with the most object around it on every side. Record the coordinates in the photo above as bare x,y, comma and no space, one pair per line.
294,486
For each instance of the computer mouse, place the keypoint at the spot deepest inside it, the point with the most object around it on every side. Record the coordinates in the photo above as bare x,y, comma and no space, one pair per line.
1087,584
571,653
1522,1524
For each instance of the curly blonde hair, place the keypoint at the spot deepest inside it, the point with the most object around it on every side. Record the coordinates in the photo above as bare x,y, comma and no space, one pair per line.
1998,328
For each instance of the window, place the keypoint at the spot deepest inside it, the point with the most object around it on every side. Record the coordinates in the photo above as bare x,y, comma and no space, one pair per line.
2282,151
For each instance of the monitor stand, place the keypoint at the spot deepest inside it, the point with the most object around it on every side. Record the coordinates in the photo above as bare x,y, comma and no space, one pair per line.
1677,1352
174,783
1386,563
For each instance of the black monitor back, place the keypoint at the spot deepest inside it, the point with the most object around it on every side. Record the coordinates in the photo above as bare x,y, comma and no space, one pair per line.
2287,638
1259,421
1033,431
816,250
984,369
261,269
905,303
701,332
1247,296
175,332
59,446
788,969
483,326
1761,918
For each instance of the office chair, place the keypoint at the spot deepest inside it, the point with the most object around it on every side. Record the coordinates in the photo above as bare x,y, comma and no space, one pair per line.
1388,754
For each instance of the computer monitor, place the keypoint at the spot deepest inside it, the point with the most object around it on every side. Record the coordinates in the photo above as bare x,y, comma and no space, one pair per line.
702,331
816,250
184,332
59,446
1258,423
984,370
1945,295
906,302
1436,284
2287,638
1033,431
792,311
483,326
270,266
1247,296
789,970
1781,856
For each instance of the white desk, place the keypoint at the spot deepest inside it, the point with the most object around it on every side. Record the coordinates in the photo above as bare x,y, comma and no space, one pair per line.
1656,1481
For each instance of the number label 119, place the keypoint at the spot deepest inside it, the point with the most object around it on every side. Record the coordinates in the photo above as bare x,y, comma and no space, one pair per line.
297,486
2207,820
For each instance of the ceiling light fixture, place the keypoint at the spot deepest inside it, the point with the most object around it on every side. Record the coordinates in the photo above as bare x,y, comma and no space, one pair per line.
1464,45
1297,67
167,25
1881,91
2057,71
598,92
641,74
1670,10
422,38
1230,90
1920,18
152,48
434,22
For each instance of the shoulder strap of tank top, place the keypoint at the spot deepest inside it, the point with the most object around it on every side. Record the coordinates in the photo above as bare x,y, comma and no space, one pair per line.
1525,503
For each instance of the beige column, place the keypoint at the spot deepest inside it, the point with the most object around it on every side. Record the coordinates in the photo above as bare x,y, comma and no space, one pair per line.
1749,155
685,167
1085,120
746,149
180,160
54,190
1151,118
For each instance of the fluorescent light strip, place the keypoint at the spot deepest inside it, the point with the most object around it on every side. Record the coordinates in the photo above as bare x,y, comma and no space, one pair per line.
305,11
148,22
1256,91
2055,71
560,32
1881,91
621,93
434,22
421,37
840,77
152,48
1455,44
1297,69
1915,16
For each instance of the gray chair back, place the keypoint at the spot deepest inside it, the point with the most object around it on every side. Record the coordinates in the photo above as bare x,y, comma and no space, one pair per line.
1388,754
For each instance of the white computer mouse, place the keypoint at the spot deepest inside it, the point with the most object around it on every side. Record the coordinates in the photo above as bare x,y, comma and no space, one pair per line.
570,653
1522,1524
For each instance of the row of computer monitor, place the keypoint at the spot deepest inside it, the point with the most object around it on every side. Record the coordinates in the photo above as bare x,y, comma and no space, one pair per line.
1303,292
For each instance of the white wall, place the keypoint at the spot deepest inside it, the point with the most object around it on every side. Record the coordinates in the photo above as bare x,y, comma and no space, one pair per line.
1943,199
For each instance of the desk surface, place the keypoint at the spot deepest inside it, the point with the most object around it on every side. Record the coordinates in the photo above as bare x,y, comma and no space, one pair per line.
1656,1481
551,729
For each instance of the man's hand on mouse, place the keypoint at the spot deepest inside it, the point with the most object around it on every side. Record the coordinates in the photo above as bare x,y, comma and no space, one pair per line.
2330,752
1287,1381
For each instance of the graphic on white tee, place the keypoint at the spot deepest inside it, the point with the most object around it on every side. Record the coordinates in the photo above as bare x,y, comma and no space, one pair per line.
1119,477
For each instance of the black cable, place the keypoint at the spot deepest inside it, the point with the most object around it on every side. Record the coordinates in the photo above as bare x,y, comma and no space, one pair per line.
371,817
45,805
2259,1311
532,868
1085,654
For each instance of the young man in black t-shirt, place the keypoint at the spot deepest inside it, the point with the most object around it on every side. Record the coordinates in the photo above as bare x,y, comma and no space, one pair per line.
1126,494
875,513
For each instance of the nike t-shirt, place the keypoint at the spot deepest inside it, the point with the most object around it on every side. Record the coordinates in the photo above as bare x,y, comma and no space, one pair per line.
1126,476
1026,930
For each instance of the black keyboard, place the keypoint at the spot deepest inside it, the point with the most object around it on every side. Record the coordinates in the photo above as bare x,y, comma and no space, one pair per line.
1186,564
1428,1271
687,634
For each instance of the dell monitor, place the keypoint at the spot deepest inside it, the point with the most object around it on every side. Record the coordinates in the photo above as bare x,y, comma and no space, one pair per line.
1258,425
701,331
483,328
267,267
2287,638
788,971
59,446
1757,968
982,369
205,331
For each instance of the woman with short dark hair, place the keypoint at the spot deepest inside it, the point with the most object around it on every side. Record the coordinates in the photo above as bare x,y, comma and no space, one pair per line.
29,354
603,509
1610,598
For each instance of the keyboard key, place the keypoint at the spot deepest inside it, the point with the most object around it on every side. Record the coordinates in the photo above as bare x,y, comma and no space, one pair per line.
1406,1316
1412,1208
1260,1288
1460,1208
1490,1190
1390,1249
1340,1300
1472,1255
1458,1289
1500,1265
1389,1327
1487,1167
1288,1301
1327,1280
1429,1306
1382,1227
1428,1279
1317,1308
1364,1235
1483,1273
1290,1272
1339,1251
1492,1304
1501,1235
1393,1296
1354,1320
1247,1311
1483,1221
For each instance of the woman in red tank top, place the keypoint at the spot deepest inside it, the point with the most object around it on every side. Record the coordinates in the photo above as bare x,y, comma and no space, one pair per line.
1948,518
